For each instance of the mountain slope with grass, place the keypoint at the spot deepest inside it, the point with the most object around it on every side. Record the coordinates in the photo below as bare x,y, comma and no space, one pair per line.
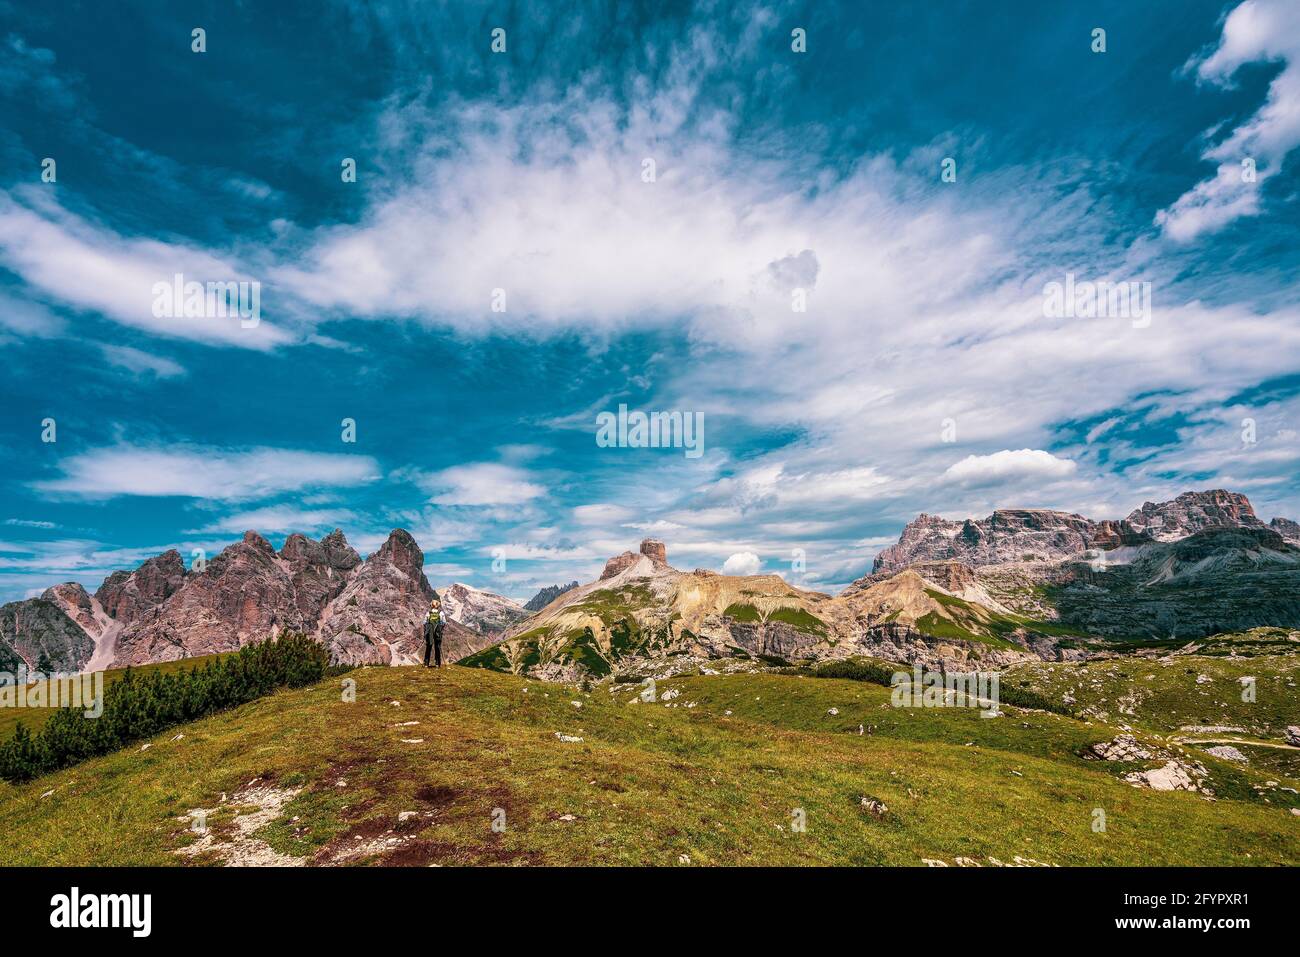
642,612
716,770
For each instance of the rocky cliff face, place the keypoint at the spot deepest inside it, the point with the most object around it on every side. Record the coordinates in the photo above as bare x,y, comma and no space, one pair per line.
480,610
318,570
1007,535
1218,579
364,612
246,593
1191,512
1288,529
81,607
652,549
379,616
126,596
89,615
369,612
38,634
1033,535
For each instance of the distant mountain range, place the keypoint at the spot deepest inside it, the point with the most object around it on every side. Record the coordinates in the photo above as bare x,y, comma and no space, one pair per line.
480,610
1020,583
1010,535
548,595
365,612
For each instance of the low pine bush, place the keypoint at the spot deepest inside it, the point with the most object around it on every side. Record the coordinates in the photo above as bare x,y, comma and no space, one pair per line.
855,669
141,705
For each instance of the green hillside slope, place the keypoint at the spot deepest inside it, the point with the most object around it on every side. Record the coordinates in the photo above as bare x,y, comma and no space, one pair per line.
716,771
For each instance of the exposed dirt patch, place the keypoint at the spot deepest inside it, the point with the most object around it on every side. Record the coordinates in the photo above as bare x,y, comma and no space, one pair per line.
256,807
420,854
436,795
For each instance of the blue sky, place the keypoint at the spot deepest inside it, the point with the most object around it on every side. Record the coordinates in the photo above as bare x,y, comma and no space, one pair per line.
924,375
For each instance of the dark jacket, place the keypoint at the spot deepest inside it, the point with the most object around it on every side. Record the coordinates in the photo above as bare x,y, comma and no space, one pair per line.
433,641
432,632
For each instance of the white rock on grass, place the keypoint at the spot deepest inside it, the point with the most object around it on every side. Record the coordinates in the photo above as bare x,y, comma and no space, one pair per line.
1227,752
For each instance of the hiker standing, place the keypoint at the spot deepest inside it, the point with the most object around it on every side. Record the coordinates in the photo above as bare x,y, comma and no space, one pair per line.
433,633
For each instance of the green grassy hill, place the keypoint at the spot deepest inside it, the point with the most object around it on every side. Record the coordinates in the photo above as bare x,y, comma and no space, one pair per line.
419,767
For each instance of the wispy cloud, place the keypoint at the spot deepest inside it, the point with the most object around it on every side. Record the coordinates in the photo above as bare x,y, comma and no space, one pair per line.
1255,30
204,473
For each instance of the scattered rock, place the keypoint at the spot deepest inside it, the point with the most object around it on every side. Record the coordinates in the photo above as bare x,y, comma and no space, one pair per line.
875,808
1172,776
1123,747
1227,752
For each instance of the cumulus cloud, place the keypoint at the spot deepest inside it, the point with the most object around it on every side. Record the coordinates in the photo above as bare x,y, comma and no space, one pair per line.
1256,30
1008,464
204,473
741,563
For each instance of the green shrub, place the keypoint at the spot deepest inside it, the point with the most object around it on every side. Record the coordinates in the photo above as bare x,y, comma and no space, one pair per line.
856,669
140,706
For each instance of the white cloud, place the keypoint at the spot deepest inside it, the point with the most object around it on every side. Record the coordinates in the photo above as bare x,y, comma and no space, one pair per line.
24,318
601,514
1008,464
524,551
206,473
1256,30
90,267
741,563
481,483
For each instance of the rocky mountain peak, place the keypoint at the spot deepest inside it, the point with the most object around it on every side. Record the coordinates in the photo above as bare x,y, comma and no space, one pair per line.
481,610
401,550
654,550
1288,529
333,551
257,541
547,595
1018,534
619,564
126,596
1191,512
650,548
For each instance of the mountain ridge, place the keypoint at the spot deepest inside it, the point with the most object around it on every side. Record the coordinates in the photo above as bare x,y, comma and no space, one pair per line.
987,592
